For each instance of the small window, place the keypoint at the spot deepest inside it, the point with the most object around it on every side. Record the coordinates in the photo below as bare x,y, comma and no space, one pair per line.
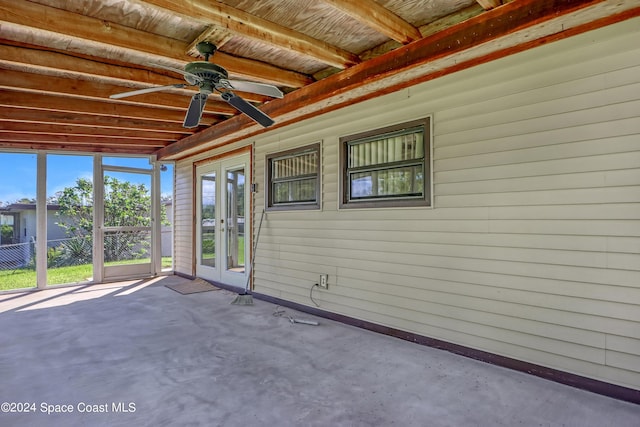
293,179
387,167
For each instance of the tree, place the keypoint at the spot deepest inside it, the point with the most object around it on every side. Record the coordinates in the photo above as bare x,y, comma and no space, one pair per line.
126,204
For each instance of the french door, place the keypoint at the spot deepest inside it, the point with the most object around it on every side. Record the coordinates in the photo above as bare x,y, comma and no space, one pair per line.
222,190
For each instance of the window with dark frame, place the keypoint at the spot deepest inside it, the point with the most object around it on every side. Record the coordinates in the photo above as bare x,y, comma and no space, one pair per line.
388,167
293,179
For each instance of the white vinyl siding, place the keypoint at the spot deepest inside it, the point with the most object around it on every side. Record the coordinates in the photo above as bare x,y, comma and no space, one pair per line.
532,247
184,220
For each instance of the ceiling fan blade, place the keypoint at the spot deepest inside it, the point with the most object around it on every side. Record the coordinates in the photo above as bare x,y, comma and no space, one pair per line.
143,91
248,109
194,77
259,88
194,113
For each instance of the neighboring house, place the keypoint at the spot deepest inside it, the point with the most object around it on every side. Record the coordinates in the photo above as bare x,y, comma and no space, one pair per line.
493,210
21,219
24,223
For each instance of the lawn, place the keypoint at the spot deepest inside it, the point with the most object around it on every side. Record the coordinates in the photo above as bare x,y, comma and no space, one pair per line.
26,278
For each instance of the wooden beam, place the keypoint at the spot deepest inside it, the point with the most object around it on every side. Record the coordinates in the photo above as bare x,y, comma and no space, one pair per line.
131,149
166,120
372,77
381,19
35,60
21,21
97,90
489,4
245,24
214,34
426,30
88,131
76,139
42,116
43,59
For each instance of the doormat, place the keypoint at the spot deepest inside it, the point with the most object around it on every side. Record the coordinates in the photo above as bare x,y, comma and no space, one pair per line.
193,287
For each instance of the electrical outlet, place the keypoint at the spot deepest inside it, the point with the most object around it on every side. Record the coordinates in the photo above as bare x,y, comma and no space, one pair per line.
324,281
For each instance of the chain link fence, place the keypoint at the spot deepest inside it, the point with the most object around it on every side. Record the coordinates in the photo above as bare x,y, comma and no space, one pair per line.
17,255
120,246
60,253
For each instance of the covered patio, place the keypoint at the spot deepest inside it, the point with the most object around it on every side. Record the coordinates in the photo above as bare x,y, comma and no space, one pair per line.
139,353
461,174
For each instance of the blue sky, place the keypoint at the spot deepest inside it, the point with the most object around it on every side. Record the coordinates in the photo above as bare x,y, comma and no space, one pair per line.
18,173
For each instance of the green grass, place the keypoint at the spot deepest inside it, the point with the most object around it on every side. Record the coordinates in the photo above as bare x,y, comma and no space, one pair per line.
73,274
209,255
26,278
166,262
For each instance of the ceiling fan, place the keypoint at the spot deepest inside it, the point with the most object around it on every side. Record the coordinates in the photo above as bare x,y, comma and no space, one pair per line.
210,77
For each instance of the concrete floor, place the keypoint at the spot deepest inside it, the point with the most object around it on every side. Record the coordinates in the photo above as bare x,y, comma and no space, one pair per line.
189,360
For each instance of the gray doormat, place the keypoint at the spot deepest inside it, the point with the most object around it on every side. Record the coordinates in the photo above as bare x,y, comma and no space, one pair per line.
193,287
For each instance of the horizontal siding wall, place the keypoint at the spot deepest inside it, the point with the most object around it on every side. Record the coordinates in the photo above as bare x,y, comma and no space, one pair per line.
184,218
532,247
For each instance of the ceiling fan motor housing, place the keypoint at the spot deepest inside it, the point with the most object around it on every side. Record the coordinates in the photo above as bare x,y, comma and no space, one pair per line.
209,73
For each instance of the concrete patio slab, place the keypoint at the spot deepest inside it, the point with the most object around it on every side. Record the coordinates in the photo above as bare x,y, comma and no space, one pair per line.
138,353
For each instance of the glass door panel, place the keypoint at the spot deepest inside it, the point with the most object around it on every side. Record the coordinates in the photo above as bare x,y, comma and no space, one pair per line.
127,225
208,220
235,220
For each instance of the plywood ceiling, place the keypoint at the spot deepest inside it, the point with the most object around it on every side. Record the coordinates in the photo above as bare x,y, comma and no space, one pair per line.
60,60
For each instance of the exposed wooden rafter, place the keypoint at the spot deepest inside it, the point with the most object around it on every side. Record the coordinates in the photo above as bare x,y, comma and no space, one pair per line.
248,25
379,18
45,116
60,61
214,34
98,38
489,4
158,118
426,30
75,139
88,130
88,146
82,89
39,61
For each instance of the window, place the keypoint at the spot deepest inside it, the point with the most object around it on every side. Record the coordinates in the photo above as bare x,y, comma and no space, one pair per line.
387,167
9,229
293,179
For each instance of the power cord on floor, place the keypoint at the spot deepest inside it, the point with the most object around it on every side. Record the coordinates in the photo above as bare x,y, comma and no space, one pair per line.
280,312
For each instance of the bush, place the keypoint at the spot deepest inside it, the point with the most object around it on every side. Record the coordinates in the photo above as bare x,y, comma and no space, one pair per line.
6,232
76,251
53,257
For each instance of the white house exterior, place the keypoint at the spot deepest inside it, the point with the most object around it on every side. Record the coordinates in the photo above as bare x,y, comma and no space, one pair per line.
19,252
530,249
